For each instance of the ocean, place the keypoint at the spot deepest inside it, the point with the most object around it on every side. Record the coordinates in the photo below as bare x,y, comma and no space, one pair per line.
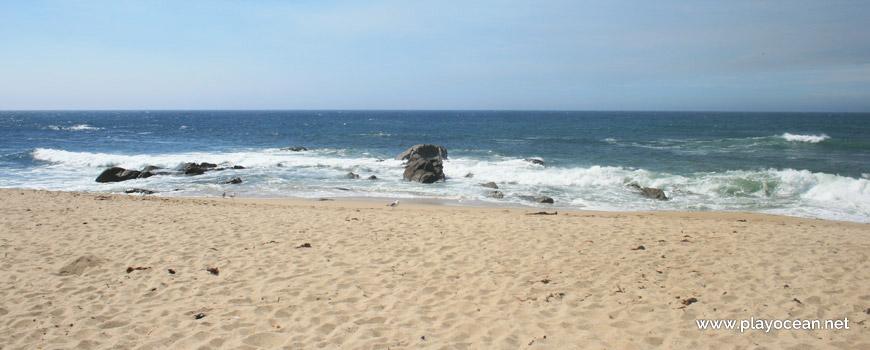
813,165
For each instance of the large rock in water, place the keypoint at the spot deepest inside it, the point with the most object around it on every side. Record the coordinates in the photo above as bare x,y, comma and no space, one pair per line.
117,174
424,170
425,163
424,151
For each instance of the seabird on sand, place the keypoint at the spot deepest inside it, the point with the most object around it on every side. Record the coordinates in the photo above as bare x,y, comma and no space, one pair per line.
393,204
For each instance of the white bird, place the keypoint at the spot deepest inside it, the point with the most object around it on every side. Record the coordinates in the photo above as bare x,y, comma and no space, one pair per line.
393,204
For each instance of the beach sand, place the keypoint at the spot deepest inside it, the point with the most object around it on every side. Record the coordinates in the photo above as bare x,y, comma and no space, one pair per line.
415,276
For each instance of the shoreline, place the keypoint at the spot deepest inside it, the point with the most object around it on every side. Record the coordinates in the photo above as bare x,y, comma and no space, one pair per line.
441,202
84,270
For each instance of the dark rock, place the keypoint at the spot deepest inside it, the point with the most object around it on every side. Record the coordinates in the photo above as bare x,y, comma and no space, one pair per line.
145,175
425,163
194,171
130,174
424,151
496,194
198,169
295,149
184,167
469,175
542,199
138,190
545,199
150,168
238,167
234,181
424,170
373,177
535,161
116,174
351,175
654,193
490,185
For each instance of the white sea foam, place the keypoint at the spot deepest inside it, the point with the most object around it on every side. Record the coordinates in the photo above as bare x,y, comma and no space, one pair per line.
794,192
805,138
318,173
254,159
78,127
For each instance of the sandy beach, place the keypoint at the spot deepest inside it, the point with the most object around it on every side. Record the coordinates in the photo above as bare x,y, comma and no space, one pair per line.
82,271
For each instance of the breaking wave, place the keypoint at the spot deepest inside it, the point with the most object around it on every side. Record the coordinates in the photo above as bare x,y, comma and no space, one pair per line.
805,138
78,127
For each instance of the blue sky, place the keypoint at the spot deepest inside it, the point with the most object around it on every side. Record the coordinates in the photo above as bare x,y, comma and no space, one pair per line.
563,55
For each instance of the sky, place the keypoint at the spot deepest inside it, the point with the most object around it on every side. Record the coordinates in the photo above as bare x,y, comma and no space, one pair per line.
487,55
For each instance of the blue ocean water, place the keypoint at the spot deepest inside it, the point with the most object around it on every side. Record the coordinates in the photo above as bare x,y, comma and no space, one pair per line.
801,164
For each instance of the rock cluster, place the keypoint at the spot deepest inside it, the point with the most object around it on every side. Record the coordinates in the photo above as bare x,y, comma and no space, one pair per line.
118,174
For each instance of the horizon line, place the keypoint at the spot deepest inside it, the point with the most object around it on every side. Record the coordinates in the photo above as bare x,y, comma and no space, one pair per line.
420,110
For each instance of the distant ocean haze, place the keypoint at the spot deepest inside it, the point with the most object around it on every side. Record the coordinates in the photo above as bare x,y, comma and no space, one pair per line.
800,164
